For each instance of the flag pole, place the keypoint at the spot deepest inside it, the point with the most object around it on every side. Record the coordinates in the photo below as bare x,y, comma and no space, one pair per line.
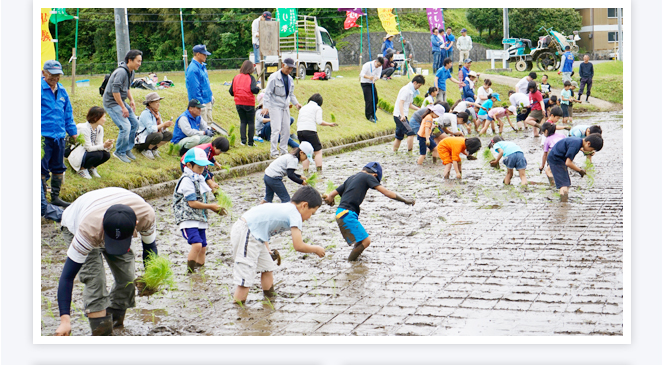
361,40
184,58
368,37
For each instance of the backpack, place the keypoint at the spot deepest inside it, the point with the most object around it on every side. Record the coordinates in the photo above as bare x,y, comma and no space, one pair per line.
320,76
102,88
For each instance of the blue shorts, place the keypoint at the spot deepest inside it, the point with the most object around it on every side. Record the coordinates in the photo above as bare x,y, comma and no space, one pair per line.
489,118
194,235
351,229
256,54
516,161
422,145
403,128
560,174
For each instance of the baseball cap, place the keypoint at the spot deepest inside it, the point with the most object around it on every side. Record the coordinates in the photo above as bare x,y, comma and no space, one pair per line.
289,62
201,48
468,60
496,96
119,224
267,15
463,30
574,83
197,156
53,67
194,103
376,168
307,148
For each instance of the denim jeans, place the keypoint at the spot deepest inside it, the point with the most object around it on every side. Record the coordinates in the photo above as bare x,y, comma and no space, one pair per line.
127,126
437,59
272,186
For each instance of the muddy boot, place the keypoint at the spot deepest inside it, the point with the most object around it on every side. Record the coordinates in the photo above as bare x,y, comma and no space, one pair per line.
356,251
56,183
270,293
118,316
564,198
102,326
199,265
191,266
318,169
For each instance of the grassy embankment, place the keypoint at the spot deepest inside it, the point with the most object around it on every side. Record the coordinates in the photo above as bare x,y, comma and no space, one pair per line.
342,96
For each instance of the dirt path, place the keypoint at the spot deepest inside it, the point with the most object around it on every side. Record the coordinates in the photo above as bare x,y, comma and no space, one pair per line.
512,81
470,258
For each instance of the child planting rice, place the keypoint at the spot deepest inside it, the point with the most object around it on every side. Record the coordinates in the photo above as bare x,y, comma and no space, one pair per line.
285,166
513,158
560,159
450,149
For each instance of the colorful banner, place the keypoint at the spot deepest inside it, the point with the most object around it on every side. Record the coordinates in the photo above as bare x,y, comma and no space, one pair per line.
47,47
357,11
388,20
435,19
350,20
61,15
287,21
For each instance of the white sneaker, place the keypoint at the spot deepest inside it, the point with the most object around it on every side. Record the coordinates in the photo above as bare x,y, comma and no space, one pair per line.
93,172
148,154
155,153
84,174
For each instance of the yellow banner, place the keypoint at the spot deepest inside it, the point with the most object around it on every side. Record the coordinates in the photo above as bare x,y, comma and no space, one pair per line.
388,20
47,46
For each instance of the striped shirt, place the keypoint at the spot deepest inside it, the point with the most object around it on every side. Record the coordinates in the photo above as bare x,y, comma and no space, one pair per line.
84,218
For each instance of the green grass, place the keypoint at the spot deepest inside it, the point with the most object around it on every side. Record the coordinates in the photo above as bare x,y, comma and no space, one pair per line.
608,82
343,97
158,272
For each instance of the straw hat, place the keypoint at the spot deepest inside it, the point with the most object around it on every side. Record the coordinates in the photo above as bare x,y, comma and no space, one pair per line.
151,97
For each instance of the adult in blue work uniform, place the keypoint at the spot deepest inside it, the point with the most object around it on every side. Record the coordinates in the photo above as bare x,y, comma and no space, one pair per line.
567,64
57,120
197,82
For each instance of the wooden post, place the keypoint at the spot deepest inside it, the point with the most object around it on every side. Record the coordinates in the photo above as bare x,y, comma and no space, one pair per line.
186,61
73,71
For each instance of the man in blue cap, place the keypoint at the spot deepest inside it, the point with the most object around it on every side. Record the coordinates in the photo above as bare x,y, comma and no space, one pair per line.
57,120
197,82
352,192
100,225
190,129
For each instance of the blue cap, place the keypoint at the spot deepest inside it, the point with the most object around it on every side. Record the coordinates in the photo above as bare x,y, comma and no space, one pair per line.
197,156
53,67
496,96
376,168
201,48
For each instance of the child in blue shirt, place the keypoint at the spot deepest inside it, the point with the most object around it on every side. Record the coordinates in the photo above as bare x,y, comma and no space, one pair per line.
190,203
250,237
513,159
561,156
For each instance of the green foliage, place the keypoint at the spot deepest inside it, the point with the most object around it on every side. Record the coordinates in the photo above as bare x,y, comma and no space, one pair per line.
173,149
525,22
158,272
312,180
505,104
80,139
226,167
486,18
385,105
232,136
223,199
418,101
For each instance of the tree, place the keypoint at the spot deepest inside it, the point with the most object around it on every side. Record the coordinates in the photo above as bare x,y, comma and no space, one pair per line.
485,18
526,22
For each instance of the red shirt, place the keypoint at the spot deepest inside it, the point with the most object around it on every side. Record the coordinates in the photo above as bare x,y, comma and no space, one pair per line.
242,93
535,100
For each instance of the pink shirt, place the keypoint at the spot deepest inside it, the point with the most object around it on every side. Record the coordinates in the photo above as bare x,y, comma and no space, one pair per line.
551,140
497,113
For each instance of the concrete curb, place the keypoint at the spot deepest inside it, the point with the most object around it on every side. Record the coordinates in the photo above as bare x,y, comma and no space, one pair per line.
166,188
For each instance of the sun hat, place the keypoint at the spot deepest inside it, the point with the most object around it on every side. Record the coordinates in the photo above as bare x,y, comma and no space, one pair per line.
472,73
574,84
151,97
260,97
376,168
437,109
119,223
512,109
307,148
53,67
197,156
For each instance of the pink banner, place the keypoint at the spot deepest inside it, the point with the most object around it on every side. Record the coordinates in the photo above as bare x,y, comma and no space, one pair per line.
358,11
435,19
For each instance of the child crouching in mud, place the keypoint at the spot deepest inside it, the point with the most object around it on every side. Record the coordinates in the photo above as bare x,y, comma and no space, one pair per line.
352,192
450,149
250,237
513,158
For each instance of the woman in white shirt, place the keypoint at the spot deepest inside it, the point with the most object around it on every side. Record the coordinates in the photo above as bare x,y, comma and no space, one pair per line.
310,115
484,91
94,151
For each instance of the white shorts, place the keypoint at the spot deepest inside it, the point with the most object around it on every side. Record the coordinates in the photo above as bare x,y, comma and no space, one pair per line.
250,255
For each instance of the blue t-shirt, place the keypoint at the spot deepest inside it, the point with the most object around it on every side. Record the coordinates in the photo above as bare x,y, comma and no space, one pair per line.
443,74
565,94
486,104
508,148
269,219
568,62
578,131
450,38
565,148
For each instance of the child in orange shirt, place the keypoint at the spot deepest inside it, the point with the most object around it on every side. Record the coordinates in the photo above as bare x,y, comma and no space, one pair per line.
424,134
450,149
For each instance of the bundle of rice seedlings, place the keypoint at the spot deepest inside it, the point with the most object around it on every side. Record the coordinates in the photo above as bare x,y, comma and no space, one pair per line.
488,155
173,149
312,180
223,199
226,167
589,168
418,101
333,118
330,187
158,273
232,136
80,140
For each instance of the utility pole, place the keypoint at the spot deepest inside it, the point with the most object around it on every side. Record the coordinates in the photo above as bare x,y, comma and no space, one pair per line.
619,32
121,33
505,32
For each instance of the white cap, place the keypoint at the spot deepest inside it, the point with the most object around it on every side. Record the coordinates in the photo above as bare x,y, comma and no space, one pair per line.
512,109
308,150
437,109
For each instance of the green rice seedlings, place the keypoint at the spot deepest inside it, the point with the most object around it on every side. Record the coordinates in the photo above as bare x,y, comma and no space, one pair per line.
226,168
418,101
173,149
312,180
232,139
488,155
590,169
333,118
80,139
158,272
223,199
42,147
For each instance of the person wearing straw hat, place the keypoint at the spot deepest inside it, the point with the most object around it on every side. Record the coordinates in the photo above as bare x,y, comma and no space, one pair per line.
388,45
152,130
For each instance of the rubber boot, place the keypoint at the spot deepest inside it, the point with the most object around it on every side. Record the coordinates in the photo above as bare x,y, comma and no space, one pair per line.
102,326
356,251
56,183
44,185
118,316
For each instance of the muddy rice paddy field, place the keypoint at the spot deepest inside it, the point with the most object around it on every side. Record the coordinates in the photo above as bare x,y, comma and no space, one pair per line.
472,257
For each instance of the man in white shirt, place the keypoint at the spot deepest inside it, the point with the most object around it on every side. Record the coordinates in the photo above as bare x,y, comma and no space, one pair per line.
464,44
521,86
255,37
520,101
370,72
403,102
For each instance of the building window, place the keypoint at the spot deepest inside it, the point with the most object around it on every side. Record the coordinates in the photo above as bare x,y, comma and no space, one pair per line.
613,37
612,12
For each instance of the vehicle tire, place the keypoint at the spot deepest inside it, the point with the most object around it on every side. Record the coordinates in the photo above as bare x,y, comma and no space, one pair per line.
301,71
328,70
529,66
521,65
546,61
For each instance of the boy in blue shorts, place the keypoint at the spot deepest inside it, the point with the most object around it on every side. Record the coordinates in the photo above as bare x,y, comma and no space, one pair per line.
250,237
352,193
513,159
190,203
560,158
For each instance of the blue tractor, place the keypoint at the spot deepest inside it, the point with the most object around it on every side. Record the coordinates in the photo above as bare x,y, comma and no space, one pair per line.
547,54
